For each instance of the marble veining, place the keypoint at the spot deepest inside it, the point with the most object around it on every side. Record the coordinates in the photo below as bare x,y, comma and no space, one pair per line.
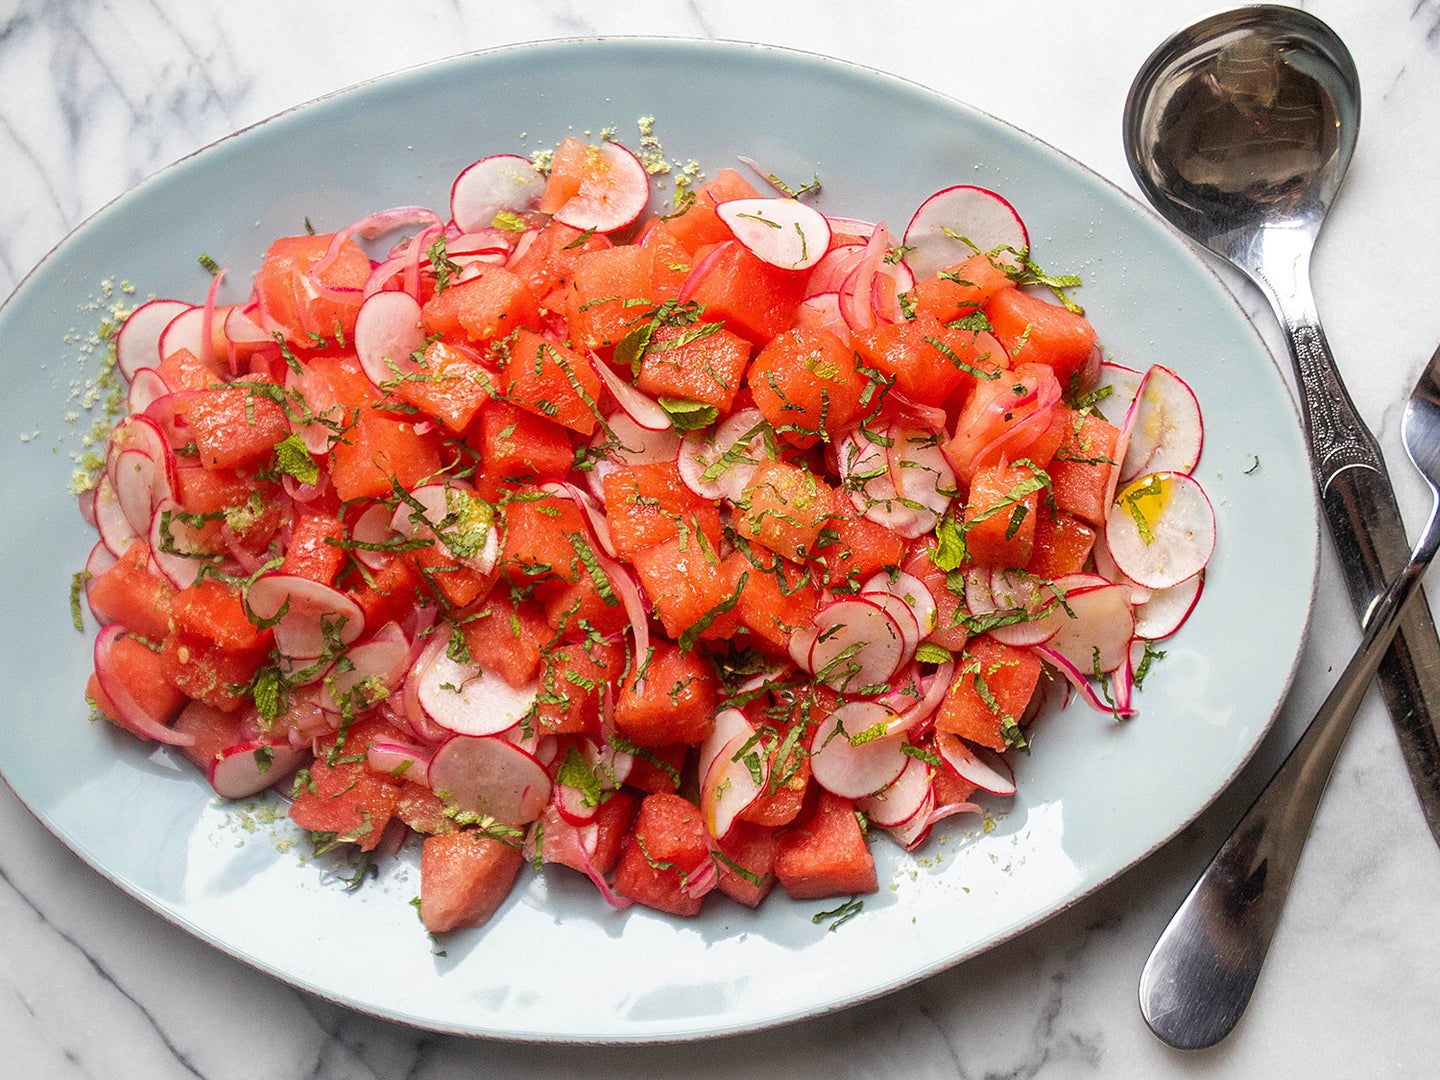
97,94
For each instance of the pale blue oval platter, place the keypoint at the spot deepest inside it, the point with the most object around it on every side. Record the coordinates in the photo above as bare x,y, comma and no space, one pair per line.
556,964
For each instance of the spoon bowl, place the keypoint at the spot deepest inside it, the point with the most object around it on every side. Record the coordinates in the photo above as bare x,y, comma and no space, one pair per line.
1242,123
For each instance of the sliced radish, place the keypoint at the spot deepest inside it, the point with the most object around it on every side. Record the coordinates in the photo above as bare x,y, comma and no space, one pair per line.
1179,530
400,761
644,410
372,526
955,223
462,523
177,549
848,759
1019,597
933,690
467,700
237,772
387,334
613,196
1167,609
185,331
1114,391
308,613
782,232
132,715
1093,627
975,764
732,783
100,559
111,520
134,475
380,662
729,723
916,829
492,777
501,183
137,345
822,312
718,465
864,468
860,645
922,476
142,433
903,799
146,386
1167,432
631,443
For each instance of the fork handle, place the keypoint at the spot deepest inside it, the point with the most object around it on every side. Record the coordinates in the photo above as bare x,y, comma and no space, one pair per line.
1200,975
1361,512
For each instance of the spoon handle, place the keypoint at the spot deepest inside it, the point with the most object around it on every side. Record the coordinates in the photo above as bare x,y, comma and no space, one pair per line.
1200,975
1360,510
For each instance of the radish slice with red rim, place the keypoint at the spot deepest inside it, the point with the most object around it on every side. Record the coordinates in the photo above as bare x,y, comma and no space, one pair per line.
373,668
134,473
613,197
116,532
822,312
847,756
462,523
306,613
864,468
501,183
644,410
387,334
491,777
975,764
735,779
1166,433
399,761
185,331
132,715
237,772
372,527
1093,627
1166,610
922,477
1161,530
902,799
137,345
859,646
1114,392
916,829
782,232
956,222
100,559
718,465
729,723
146,385
623,439
176,547
467,700
1018,602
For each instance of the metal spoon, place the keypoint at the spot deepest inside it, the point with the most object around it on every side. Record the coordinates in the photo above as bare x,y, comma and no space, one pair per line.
1239,129
1199,977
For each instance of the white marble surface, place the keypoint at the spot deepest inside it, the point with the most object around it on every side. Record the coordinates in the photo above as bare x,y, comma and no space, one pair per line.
94,95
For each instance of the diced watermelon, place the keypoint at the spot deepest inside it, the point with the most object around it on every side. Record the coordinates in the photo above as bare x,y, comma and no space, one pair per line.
826,854
464,878
993,685
666,846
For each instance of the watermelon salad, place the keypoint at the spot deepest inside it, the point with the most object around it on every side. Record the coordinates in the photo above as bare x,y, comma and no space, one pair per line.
692,549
